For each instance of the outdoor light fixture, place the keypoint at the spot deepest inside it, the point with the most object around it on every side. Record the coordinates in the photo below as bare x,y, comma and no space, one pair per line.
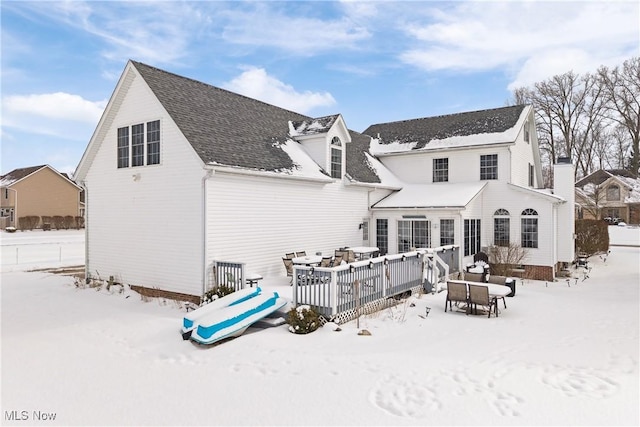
360,226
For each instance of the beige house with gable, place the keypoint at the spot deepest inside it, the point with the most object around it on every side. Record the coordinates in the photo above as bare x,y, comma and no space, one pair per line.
37,191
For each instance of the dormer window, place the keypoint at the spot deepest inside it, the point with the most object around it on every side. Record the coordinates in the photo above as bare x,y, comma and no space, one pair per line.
336,158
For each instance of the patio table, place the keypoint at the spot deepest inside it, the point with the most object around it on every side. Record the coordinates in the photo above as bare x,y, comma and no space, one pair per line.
308,260
364,252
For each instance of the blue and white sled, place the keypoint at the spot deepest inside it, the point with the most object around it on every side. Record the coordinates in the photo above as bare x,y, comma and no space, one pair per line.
190,321
233,320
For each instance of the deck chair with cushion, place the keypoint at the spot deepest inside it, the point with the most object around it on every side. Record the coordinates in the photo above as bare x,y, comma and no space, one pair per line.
290,255
326,261
288,264
337,260
456,293
499,280
301,253
479,295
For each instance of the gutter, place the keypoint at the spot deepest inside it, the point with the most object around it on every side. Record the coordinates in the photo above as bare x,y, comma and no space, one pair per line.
264,174
436,150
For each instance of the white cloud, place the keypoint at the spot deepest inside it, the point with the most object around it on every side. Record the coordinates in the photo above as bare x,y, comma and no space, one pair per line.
57,114
299,34
531,40
155,32
256,83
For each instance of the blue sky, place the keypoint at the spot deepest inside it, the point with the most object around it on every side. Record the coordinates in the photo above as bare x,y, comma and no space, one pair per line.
371,61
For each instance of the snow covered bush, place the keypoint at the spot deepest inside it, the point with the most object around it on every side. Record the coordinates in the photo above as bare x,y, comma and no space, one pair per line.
303,320
216,292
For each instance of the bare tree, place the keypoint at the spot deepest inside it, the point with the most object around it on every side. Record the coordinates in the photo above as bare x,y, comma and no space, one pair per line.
622,88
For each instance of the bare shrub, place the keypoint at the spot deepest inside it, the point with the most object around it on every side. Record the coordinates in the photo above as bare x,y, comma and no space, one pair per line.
69,222
58,222
503,259
592,237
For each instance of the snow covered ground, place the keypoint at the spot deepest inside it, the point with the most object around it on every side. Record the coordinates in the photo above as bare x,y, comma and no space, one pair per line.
562,353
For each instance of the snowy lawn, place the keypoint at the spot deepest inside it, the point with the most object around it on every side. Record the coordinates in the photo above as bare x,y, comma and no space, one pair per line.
563,353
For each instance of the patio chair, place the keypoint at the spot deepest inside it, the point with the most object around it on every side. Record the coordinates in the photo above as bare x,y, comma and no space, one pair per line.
456,292
288,264
302,253
326,261
290,255
499,280
337,260
473,277
479,295
351,256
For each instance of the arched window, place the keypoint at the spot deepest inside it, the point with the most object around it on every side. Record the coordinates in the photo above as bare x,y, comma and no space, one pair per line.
501,225
336,158
613,193
529,228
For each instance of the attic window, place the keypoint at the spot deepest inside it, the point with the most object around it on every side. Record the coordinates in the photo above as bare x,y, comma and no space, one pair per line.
138,143
526,131
336,158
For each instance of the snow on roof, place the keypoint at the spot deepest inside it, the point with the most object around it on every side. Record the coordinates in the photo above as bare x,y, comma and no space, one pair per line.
397,146
387,178
311,127
634,189
441,195
303,165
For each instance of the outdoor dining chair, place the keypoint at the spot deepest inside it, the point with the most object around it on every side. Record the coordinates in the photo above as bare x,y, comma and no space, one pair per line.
326,261
456,293
479,295
288,265
337,260
290,255
302,253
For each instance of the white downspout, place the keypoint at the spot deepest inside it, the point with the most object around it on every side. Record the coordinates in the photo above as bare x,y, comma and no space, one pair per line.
203,262
86,230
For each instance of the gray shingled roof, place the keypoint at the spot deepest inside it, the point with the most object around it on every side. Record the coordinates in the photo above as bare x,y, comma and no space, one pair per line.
601,175
314,126
233,130
357,165
427,129
223,127
17,174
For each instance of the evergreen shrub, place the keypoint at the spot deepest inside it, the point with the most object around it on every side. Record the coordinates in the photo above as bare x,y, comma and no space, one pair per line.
303,320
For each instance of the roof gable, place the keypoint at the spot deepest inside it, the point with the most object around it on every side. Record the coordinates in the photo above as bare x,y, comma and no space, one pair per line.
224,128
448,130
20,174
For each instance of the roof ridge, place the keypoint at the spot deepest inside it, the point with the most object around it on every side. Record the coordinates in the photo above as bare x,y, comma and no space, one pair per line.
215,87
449,115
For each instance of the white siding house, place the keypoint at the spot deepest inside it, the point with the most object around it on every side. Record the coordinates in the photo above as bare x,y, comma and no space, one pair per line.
179,174
467,172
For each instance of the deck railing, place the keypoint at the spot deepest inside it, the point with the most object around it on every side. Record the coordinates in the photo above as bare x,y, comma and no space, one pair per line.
226,273
334,291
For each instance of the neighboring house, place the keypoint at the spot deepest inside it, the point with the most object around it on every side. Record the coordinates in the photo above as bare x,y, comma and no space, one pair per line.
612,193
38,191
179,174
